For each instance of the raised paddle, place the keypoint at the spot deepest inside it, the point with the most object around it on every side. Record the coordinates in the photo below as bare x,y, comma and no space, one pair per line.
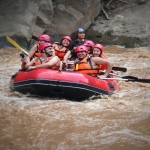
16,45
129,78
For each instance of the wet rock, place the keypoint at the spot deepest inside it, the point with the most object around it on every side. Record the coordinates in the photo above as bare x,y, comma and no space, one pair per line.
141,1
23,20
128,26
17,18
70,15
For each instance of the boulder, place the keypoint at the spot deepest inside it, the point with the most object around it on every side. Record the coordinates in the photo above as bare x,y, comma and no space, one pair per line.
17,20
43,18
23,20
128,25
70,15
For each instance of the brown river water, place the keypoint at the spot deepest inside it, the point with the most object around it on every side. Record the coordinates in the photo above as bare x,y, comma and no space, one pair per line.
117,122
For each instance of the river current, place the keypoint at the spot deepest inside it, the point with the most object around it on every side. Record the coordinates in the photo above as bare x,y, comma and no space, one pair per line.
117,122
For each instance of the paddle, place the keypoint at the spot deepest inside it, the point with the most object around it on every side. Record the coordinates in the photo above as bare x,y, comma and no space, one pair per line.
119,69
16,45
129,78
113,68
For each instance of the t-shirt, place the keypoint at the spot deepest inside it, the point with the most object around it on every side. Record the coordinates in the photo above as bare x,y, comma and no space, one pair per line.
73,44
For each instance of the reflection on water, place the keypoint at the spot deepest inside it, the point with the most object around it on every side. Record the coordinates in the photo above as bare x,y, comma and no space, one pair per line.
120,121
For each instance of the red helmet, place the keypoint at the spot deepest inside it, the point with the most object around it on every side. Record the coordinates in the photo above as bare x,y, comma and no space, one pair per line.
81,48
88,43
66,37
44,37
101,47
44,45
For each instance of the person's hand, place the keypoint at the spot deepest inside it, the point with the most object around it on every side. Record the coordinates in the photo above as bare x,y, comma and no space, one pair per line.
31,68
23,60
64,64
101,76
73,51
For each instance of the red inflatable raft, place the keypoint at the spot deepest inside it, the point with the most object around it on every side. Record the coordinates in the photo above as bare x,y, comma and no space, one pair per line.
64,84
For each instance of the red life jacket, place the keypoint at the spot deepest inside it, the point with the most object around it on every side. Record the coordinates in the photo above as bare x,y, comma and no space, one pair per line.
59,52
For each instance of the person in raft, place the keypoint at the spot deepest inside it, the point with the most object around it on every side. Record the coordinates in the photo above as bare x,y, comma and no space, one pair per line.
34,51
80,38
46,60
98,51
89,44
61,49
90,65
71,55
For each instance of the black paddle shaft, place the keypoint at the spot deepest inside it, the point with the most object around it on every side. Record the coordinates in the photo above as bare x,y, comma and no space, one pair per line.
119,69
135,79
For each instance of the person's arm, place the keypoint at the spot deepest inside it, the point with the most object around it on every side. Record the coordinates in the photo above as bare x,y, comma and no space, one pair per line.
66,56
72,46
101,61
48,64
61,66
31,53
25,65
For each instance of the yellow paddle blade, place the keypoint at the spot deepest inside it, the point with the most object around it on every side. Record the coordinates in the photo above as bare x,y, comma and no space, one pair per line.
77,66
15,44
